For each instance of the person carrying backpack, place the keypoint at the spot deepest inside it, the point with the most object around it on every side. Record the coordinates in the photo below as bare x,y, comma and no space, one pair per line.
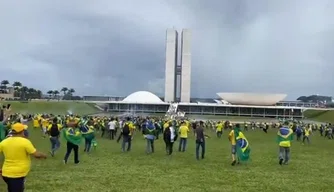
54,133
126,135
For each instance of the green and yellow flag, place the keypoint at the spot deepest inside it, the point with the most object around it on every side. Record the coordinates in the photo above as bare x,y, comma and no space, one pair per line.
72,135
242,145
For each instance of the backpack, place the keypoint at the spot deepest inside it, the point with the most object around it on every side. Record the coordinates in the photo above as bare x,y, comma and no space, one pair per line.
126,129
54,131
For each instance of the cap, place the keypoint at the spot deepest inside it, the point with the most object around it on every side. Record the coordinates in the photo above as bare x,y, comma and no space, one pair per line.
19,127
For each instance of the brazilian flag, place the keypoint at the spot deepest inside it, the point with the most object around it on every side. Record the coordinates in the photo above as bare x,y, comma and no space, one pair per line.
88,132
242,145
284,134
72,135
2,131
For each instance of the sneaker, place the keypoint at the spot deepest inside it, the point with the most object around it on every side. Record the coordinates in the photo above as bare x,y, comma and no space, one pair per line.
65,162
280,161
234,162
77,163
52,154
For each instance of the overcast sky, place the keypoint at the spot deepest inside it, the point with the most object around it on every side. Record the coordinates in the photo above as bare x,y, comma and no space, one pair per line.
111,47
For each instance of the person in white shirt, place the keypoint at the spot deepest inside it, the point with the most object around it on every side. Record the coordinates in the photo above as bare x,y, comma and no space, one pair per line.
112,128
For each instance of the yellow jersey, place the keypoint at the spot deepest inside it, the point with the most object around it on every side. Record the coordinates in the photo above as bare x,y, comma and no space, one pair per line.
17,151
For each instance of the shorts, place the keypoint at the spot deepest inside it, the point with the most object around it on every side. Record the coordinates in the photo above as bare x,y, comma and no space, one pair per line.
234,149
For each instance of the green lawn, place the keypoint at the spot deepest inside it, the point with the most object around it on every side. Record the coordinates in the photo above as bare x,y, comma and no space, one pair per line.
53,107
320,115
107,169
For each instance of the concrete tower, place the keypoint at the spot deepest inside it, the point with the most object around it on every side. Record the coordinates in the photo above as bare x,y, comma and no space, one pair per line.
171,65
185,65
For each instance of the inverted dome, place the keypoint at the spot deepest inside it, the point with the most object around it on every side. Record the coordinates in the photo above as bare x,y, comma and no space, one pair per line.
142,97
252,98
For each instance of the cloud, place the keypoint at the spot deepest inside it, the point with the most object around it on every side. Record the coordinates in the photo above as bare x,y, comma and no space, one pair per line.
117,47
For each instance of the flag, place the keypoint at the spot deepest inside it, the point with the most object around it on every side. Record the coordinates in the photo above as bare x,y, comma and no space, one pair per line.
88,132
284,134
2,131
243,148
242,145
72,135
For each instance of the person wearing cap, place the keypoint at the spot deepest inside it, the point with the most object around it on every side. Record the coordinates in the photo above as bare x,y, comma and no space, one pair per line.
17,150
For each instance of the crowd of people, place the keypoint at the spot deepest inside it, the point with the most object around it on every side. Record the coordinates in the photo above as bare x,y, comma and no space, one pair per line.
17,148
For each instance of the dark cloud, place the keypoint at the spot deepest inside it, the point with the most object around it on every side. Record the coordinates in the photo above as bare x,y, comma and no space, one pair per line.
117,47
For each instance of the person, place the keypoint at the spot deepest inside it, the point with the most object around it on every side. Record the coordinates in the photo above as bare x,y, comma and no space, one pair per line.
170,136
183,131
73,137
200,140
231,138
284,138
241,148
150,133
17,150
219,129
54,132
112,128
126,135
306,134
88,132
299,132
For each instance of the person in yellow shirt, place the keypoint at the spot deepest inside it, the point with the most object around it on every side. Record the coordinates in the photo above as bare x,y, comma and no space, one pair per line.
307,133
231,138
45,124
17,150
36,123
219,129
183,132
166,125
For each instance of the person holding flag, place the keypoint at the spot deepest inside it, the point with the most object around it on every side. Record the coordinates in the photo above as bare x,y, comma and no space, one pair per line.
284,138
240,146
88,133
73,137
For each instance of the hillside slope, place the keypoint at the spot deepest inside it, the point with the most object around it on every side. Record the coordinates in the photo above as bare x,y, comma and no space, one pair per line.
53,107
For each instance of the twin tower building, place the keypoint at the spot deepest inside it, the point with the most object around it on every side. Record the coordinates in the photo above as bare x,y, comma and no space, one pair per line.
178,66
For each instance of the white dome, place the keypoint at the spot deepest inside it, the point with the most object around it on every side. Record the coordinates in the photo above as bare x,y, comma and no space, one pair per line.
142,97
252,98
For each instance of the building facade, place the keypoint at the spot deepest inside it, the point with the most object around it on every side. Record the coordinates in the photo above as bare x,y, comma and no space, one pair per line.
171,65
185,66
212,110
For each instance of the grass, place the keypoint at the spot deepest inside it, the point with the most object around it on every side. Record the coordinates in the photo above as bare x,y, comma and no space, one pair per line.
53,107
107,169
320,115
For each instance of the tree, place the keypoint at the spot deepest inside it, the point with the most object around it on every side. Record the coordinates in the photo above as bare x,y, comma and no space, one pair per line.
17,84
3,85
315,99
50,93
39,94
24,92
64,90
71,91
55,93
